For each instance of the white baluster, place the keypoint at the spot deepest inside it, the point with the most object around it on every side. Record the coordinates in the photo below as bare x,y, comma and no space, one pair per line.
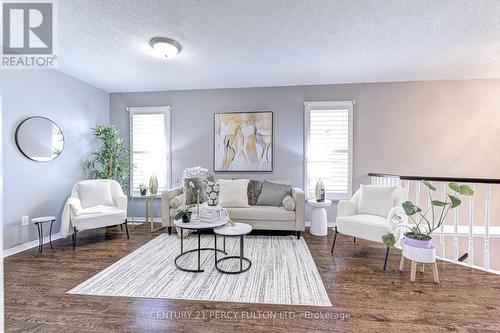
441,238
486,257
455,237
471,228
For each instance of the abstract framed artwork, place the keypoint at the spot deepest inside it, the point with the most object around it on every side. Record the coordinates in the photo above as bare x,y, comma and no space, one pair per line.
243,141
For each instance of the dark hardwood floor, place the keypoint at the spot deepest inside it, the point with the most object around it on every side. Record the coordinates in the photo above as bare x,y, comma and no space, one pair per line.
370,299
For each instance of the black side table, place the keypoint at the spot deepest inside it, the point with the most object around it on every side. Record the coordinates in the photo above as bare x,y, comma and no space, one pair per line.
39,221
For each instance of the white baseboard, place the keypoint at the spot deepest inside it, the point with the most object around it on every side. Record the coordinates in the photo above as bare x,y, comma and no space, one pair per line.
330,224
29,245
141,220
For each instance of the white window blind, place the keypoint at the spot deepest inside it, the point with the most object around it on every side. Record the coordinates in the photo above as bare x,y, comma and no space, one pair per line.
328,136
150,146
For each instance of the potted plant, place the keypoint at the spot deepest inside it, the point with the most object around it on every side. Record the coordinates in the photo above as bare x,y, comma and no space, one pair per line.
424,223
112,159
143,188
184,214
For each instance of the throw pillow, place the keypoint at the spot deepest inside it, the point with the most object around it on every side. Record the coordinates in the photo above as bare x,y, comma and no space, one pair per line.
282,182
253,192
272,194
212,190
233,193
95,193
191,191
376,199
177,201
289,203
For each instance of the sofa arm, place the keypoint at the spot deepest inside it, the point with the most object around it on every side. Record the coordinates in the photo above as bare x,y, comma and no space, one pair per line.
76,206
121,202
299,196
346,208
166,196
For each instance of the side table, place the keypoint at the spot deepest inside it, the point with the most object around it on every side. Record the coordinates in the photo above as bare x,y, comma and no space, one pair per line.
233,230
319,218
39,221
150,209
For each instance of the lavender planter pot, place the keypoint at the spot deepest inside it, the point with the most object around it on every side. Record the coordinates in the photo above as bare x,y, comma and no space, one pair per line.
422,244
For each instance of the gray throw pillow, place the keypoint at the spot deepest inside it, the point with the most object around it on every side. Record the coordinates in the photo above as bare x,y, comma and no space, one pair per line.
253,191
191,193
272,194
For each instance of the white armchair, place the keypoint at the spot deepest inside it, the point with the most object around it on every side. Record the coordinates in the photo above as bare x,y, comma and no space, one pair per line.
370,214
95,204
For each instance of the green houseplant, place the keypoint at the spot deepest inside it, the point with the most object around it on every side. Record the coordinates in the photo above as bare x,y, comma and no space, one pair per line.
424,223
143,188
111,160
184,214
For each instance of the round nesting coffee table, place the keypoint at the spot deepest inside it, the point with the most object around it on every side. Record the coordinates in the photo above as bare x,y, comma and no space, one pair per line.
198,226
233,230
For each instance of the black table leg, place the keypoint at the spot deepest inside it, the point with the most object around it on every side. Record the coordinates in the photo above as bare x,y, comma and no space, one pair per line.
41,237
182,242
50,234
199,250
215,247
241,253
224,243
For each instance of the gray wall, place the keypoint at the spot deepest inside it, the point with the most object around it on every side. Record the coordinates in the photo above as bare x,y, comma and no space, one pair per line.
444,128
41,188
192,126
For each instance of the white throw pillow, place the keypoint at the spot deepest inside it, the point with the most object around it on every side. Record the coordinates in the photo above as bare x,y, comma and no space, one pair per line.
95,193
233,193
376,199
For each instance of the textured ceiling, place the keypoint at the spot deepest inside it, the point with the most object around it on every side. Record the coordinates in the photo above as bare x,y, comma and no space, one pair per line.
250,43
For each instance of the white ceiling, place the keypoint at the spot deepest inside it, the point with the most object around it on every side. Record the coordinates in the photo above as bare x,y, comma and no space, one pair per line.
255,43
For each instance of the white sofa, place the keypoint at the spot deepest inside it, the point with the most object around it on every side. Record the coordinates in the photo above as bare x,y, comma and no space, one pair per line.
259,217
374,217
101,214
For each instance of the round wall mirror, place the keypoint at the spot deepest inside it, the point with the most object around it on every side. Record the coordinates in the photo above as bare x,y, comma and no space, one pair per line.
39,139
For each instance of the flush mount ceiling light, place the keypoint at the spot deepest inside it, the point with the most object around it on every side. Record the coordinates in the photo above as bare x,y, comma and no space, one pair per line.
165,47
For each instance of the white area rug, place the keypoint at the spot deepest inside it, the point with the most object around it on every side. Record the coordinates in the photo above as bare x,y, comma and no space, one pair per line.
282,272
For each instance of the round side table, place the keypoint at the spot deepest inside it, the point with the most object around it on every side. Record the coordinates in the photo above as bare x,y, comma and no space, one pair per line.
233,230
39,221
319,218
198,226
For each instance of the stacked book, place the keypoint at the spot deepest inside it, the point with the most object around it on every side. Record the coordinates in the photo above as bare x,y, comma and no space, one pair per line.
212,214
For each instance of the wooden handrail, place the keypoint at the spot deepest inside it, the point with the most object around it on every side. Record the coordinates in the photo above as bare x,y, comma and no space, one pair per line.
438,179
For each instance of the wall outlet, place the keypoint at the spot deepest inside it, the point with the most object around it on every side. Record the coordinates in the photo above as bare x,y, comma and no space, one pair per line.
25,220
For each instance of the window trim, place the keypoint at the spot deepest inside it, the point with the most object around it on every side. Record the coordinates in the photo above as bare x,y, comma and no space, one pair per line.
349,105
166,110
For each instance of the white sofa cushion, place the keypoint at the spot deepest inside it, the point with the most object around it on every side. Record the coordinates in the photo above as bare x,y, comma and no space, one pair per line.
376,200
233,193
268,213
95,193
369,227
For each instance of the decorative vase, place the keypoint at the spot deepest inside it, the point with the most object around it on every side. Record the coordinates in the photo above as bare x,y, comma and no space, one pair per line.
320,191
186,218
153,184
420,243
143,191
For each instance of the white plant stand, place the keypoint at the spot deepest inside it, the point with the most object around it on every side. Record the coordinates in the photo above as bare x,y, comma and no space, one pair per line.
319,218
422,256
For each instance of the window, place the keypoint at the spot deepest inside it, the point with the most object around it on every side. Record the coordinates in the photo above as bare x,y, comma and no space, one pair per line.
150,146
328,148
